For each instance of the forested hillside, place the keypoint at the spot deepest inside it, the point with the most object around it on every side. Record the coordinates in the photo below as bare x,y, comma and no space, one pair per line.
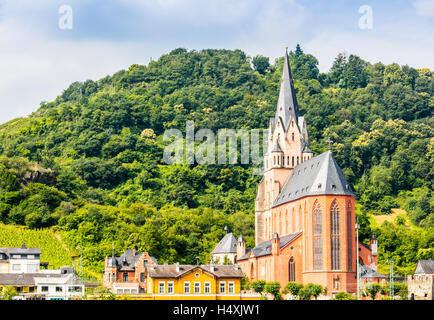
91,161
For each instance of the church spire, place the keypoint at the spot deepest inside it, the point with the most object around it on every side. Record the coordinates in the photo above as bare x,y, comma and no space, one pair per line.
287,107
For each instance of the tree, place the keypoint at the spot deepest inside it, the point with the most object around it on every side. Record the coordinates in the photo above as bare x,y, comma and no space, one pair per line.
273,288
261,64
7,293
310,290
258,286
373,289
294,288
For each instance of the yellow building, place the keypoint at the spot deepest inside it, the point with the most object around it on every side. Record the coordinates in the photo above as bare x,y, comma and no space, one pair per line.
200,282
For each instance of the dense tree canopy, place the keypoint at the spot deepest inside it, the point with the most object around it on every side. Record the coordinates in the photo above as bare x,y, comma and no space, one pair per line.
107,182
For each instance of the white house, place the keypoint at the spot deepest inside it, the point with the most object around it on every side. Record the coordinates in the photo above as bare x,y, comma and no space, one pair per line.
58,286
21,260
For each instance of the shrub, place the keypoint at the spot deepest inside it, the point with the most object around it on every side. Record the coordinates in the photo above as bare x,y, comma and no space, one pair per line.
258,285
274,289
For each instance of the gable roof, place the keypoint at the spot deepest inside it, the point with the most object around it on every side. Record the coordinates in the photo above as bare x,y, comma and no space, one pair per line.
264,248
228,244
320,175
177,271
425,267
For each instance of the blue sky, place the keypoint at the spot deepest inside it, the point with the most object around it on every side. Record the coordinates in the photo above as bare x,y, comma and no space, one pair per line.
38,59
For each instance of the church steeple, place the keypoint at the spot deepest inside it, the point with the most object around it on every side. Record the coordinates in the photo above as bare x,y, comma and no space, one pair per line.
287,107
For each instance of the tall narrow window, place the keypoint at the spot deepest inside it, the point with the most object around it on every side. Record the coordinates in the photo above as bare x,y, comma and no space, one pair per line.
293,136
350,238
317,236
292,161
334,213
291,270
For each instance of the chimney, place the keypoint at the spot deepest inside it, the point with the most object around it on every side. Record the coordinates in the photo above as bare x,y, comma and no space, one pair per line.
177,267
275,244
134,251
241,247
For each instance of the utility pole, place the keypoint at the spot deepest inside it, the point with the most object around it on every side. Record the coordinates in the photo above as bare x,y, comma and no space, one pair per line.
357,262
392,294
81,263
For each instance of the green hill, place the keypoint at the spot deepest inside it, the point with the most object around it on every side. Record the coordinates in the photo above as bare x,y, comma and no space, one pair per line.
108,184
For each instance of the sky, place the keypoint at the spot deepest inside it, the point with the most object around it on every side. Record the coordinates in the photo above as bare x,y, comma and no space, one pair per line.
43,48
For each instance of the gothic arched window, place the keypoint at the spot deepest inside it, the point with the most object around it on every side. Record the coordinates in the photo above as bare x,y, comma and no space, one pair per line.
317,235
350,238
291,270
334,221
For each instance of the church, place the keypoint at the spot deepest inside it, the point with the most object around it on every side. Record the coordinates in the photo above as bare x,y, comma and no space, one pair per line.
304,209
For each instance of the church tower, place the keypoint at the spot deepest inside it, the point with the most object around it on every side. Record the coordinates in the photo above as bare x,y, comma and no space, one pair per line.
287,147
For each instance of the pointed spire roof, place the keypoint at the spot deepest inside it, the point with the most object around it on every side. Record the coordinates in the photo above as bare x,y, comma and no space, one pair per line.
287,107
228,244
320,175
276,147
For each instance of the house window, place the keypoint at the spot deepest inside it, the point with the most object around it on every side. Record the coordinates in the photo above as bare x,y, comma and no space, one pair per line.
59,289
30,256
186,286
170,287
31,289
231,287
334,213
197,287
292,161
142,277
293,136
207,288
317,236
145,263
161,287
222,287
125,276
44,289
16,267
16,256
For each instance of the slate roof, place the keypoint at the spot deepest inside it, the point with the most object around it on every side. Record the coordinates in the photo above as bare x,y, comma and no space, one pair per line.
264,248
425,267
228,244
276,147
320,175
287,106
24,279
367,272
22,250
306,148
170,271
127,260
